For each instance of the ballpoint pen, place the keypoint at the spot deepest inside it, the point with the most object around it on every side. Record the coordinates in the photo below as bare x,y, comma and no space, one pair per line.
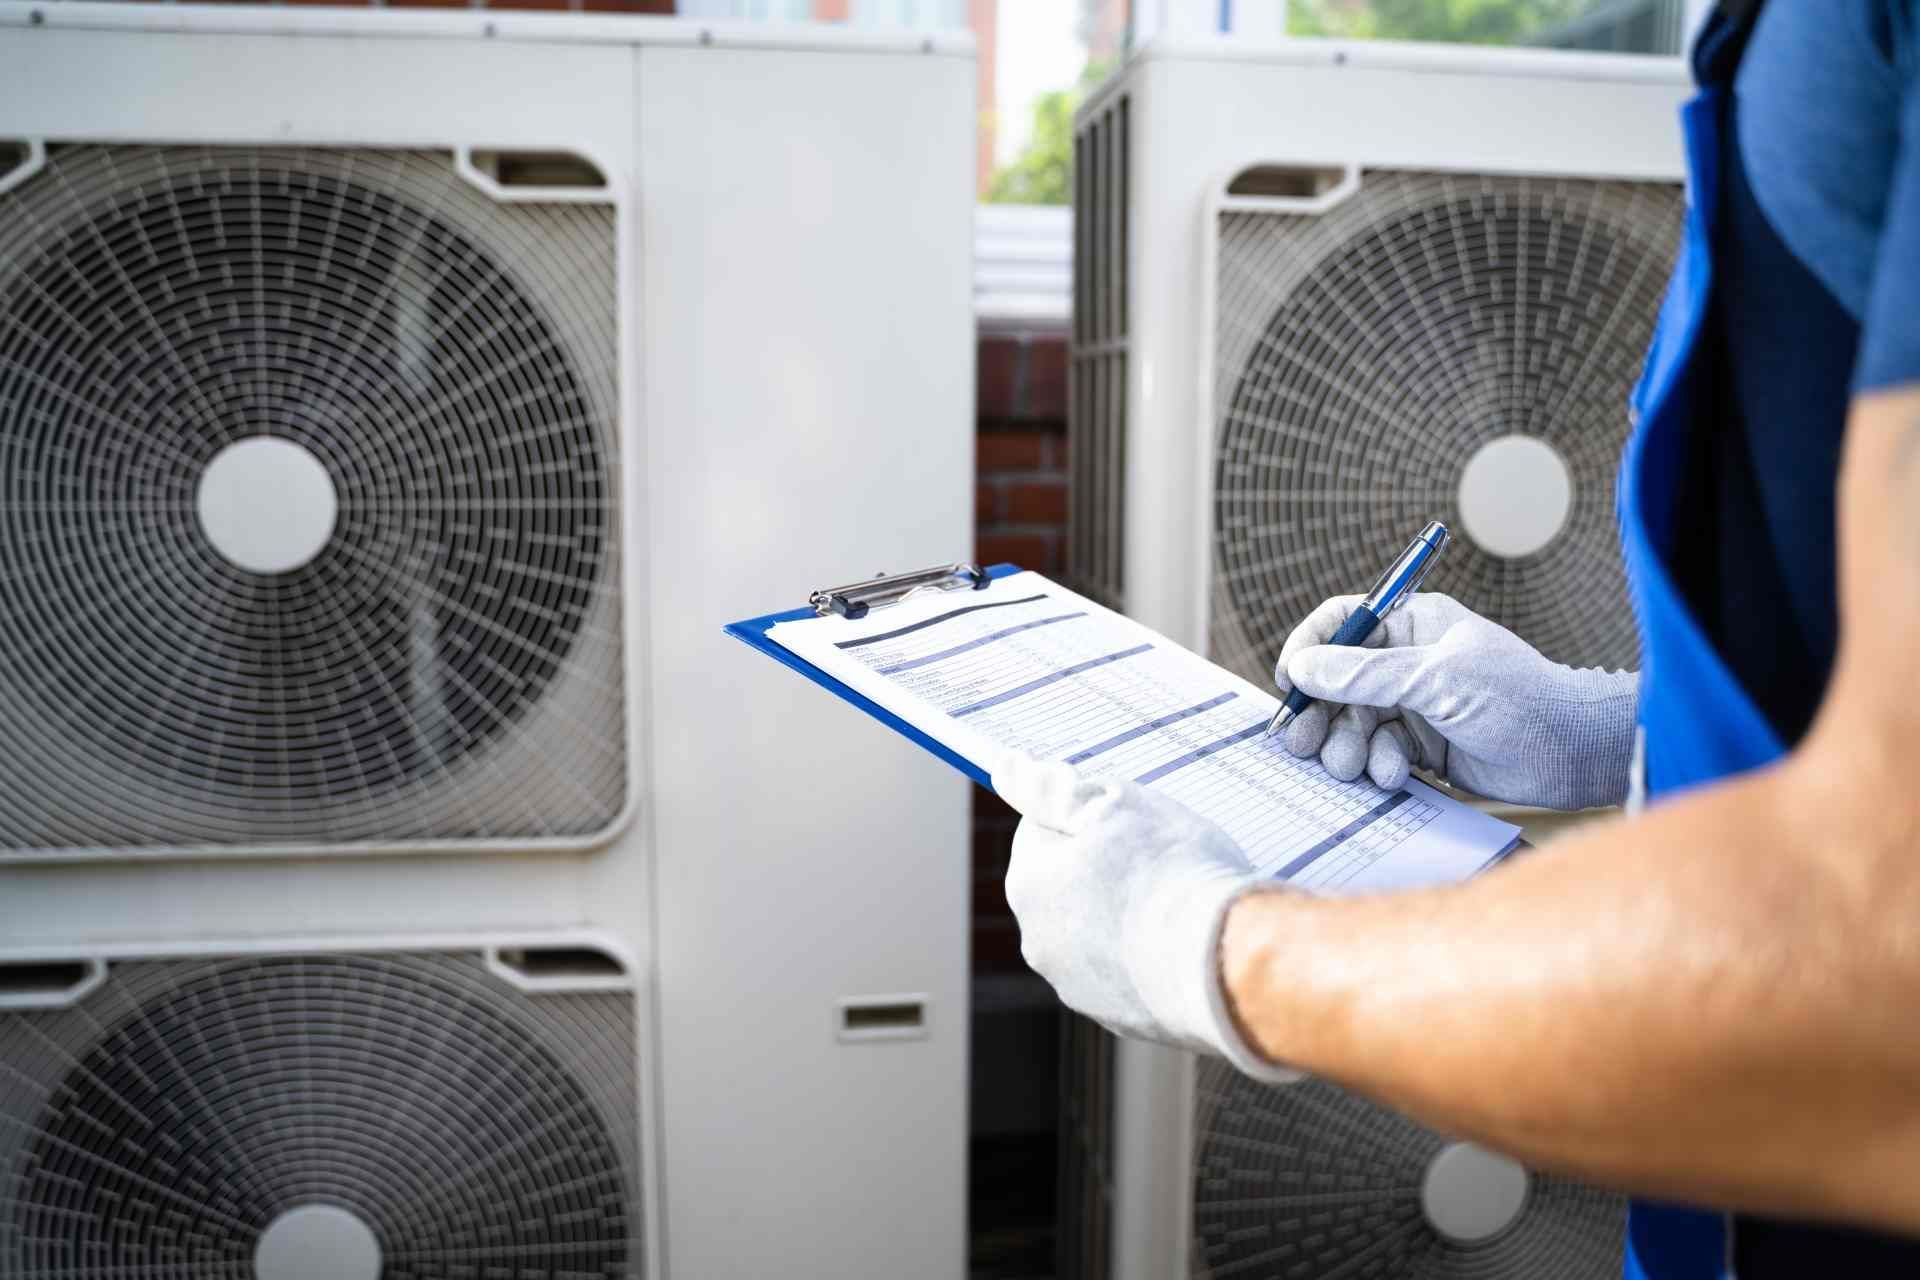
1402,578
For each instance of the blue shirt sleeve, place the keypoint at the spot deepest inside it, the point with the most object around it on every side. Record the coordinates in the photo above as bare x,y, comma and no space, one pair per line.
1890,324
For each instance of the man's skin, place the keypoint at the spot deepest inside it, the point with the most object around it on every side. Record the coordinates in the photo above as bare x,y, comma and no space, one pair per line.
1718,1001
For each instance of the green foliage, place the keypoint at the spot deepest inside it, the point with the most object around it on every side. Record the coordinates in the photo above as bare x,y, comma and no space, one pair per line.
1467,21
1043,172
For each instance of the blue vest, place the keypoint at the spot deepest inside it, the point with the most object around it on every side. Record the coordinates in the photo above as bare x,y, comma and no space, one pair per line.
1697,724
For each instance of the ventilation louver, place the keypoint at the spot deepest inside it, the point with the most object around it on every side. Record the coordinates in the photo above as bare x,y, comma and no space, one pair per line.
406,1116
1436,346
1097,360
1309,1181
422,642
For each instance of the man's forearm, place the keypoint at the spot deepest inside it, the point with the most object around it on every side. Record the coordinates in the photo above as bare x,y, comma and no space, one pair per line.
1717,1001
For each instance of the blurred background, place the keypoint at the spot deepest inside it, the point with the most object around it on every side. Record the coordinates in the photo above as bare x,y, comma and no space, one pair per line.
553,348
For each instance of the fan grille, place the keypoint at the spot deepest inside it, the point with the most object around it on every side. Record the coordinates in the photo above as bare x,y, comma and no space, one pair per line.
162,1125
448,665
1363,355
1307,1180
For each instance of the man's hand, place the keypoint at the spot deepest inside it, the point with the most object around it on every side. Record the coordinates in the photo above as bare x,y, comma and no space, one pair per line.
1713,1002
1120,895
1439,687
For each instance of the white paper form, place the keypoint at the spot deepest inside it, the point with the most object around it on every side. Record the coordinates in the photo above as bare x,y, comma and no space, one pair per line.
1026,665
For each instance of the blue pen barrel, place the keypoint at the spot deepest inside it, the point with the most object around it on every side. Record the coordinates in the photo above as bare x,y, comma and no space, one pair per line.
1354,631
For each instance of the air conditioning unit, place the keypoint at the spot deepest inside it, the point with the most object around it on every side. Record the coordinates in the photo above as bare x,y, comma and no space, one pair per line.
393,407
429,1110
1325,292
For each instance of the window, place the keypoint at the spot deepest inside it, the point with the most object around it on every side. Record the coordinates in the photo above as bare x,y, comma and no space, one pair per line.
1617,26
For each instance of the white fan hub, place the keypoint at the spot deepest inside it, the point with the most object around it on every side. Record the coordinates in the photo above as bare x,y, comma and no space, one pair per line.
267,504
317,1242
1471,1194
1515,495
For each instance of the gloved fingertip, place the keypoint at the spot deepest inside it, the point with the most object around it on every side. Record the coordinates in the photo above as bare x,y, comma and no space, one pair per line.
1045,790
1388,761
1343,757
1009,773
1307,731
1389,774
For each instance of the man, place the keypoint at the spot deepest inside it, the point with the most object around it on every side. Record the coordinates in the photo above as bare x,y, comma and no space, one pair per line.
1716,1002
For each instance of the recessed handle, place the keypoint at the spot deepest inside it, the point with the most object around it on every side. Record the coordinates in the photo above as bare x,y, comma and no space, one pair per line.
559,967
48,984
528,176
896,1017
1290,188
20,159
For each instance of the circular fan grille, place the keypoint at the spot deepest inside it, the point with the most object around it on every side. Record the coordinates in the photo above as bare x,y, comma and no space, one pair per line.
1307,1180
1366,354
446,360
415,1093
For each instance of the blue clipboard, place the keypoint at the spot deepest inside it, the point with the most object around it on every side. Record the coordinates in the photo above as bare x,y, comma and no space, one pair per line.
753,632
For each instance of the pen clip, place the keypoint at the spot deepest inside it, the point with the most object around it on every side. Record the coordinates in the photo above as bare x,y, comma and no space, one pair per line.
1436,536
1420,578
1408,571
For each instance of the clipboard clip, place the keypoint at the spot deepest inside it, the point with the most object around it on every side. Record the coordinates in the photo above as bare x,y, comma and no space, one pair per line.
855,599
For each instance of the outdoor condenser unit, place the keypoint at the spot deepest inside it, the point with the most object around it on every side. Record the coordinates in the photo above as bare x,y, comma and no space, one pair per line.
398,867
1325,292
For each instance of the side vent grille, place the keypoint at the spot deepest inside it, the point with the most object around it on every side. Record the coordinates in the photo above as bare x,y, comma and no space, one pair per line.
1097,394
1086,1149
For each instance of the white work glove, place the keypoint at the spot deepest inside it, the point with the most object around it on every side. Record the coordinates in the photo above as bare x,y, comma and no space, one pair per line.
1121,894
1438,687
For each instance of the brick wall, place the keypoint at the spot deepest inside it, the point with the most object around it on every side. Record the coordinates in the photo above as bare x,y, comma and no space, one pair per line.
1021,498
1020,516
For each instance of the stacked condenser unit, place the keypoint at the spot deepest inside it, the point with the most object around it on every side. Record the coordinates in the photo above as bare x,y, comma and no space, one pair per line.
1324,293
400,874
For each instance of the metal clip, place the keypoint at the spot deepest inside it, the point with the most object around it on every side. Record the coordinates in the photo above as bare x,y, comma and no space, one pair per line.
855,599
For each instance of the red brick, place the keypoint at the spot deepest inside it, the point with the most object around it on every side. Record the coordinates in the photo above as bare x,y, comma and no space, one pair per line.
996,378
986,504
1028,550
1046,396
528,4
1037,502
1010,451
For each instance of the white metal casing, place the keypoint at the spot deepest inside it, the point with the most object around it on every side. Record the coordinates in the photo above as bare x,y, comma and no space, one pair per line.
796,359
1202,110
